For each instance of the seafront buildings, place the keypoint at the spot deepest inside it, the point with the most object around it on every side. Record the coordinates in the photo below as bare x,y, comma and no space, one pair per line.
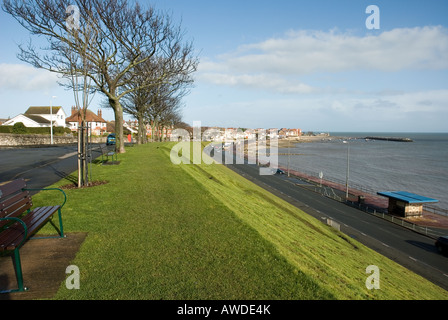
46,116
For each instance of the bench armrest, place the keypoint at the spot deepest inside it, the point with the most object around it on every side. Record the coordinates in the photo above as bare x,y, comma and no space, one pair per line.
50,189
23,225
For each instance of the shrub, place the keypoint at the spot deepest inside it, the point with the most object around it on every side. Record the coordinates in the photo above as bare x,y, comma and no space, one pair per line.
5,129
19,128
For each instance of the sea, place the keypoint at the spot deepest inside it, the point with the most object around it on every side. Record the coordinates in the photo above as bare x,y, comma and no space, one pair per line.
419,167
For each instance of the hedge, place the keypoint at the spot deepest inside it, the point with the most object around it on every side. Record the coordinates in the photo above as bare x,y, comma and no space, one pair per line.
29,130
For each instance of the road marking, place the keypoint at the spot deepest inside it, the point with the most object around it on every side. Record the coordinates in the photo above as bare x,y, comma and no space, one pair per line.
68,155
385,244
412,258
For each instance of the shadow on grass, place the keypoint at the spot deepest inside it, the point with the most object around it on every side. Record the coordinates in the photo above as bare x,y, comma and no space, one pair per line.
73,180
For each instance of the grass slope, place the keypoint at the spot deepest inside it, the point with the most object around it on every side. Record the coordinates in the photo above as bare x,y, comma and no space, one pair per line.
164,231
336,262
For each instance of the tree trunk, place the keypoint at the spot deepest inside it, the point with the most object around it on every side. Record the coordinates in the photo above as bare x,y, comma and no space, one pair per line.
86,158
79,157
83,174
141,135
118,111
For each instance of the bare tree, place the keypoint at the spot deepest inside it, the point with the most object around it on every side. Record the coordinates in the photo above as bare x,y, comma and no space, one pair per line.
81,83
159,84
165,109
126,35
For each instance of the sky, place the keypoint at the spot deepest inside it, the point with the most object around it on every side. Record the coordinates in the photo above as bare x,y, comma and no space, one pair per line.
322,66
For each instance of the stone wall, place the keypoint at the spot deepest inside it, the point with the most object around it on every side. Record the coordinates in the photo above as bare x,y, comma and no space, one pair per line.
17,140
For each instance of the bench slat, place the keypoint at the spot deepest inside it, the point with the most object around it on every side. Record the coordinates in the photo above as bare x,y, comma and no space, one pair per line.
4,203
14,206
17,208
12,237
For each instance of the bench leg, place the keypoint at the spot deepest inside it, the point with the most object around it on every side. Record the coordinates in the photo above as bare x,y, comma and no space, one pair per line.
19,275
61,228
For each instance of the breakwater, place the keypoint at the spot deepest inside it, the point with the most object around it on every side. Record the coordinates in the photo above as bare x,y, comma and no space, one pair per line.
390,139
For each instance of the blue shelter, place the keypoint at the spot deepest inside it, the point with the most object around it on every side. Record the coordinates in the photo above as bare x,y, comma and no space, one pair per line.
406,204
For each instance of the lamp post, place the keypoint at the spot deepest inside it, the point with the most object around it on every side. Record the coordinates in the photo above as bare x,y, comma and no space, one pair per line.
348,170
51,119
289,154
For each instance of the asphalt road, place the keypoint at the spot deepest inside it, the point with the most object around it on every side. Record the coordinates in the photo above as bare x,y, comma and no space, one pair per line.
40,167
408,248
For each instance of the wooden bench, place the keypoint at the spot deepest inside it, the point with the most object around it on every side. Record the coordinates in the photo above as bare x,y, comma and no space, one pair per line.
19,221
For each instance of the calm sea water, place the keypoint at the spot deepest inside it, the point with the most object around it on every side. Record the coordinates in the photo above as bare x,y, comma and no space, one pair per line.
420,167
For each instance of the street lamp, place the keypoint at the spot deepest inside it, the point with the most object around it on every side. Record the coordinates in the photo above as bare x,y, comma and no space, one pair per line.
51,119
289,154
348,170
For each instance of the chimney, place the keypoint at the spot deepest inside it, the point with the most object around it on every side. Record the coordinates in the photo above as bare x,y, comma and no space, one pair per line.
100,113
73,110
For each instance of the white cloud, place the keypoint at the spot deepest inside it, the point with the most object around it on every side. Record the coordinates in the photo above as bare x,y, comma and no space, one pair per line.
18,77
304,52
281,64
257,81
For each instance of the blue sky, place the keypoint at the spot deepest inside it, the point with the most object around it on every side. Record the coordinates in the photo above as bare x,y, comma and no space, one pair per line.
299,64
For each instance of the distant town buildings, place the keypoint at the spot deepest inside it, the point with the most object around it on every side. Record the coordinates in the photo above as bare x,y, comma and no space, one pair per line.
285,133
223,134
43,116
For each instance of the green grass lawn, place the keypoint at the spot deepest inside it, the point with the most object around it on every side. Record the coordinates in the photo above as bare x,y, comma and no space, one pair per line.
162,231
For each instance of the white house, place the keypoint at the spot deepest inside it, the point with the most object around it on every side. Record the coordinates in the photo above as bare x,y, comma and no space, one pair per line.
40,117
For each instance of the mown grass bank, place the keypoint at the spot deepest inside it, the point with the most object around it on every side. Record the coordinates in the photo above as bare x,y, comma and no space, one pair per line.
162,231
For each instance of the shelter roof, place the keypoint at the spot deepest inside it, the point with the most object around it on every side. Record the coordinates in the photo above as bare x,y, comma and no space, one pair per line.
406,196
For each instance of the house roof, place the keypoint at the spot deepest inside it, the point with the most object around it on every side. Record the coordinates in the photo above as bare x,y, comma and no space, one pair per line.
42,110
90,117
38,119
35,118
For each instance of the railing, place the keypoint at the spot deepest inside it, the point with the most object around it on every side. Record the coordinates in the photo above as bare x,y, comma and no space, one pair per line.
428,231
436,210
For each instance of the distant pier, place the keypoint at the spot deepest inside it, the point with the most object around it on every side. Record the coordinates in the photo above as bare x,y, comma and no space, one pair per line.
390,139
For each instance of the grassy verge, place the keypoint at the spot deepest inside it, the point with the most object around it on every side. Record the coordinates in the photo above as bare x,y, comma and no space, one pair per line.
164,231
